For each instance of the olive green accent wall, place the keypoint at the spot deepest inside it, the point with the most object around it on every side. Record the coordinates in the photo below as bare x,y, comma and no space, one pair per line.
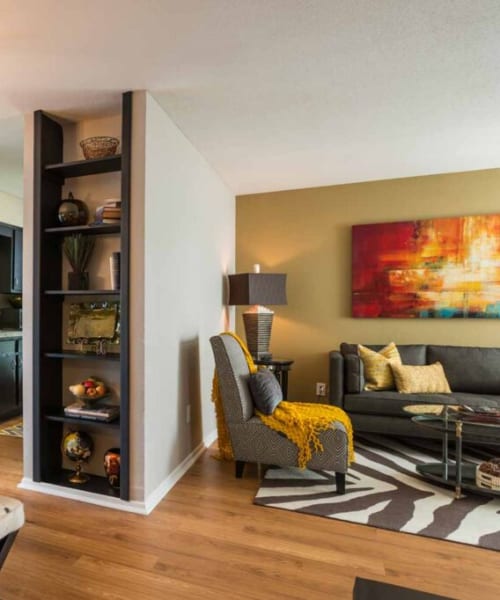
307,234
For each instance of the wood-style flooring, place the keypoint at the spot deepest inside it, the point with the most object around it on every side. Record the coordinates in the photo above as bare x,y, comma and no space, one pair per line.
206,540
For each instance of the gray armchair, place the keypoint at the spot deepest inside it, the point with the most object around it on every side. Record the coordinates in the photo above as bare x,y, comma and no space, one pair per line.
254,442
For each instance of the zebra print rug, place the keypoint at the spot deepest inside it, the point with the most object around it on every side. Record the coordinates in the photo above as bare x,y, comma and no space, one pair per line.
384,490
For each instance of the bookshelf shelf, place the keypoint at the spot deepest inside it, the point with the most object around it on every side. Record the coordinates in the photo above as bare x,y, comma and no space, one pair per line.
101,229
62,418
113,356
96,484
82,292
80,168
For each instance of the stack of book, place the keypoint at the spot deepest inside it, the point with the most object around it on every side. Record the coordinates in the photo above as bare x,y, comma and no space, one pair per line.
99,412
109,212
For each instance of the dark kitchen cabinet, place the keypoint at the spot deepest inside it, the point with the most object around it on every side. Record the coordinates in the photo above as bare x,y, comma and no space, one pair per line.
11,259
10,363
17,261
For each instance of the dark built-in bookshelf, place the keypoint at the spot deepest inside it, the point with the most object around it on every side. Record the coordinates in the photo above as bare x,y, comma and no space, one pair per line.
49,354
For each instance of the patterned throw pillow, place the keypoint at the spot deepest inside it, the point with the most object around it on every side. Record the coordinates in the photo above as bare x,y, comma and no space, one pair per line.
377,366
426,379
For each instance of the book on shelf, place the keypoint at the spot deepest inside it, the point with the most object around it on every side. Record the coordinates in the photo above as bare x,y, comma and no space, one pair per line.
99,412
109,212
106,221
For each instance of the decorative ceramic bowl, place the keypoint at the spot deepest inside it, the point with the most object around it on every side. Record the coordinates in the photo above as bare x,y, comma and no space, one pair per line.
99,146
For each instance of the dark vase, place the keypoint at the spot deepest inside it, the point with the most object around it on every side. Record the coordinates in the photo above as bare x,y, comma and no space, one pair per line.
72,212
112,466
78,280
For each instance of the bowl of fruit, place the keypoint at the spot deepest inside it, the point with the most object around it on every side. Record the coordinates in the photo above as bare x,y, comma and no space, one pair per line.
89,390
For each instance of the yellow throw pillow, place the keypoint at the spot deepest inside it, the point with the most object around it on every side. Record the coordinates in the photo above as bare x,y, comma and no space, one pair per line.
377,366
425,379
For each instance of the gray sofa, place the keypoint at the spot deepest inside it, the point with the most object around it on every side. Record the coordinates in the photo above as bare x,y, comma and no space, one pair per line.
473,374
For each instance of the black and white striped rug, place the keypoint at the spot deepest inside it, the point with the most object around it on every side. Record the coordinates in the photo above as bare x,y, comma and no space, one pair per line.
384,490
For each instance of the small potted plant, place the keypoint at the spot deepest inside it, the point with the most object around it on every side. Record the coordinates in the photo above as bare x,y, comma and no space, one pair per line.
78,249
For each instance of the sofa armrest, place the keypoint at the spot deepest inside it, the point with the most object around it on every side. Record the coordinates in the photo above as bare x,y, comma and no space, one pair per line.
336,384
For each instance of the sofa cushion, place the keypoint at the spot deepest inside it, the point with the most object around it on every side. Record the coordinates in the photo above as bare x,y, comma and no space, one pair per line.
377,366
391,403
420,379
266,391
354,374
469,369
411,354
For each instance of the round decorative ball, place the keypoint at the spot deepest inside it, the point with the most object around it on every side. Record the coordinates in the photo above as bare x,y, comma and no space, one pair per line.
77,445
72,212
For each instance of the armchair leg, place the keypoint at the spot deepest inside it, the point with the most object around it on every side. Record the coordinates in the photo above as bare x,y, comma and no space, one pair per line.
239,466
340,482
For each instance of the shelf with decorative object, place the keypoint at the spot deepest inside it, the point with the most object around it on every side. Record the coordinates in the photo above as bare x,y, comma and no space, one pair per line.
96,483
81,168
55,223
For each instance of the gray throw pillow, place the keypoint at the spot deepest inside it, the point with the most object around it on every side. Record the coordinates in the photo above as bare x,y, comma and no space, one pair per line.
266,391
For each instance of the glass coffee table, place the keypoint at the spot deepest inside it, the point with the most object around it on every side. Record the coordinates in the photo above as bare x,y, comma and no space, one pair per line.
456,425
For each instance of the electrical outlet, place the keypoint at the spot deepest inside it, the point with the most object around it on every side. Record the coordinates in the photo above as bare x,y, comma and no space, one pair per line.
321,389
188,414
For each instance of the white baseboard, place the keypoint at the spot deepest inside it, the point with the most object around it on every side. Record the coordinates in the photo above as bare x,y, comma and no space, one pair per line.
168,483
81,496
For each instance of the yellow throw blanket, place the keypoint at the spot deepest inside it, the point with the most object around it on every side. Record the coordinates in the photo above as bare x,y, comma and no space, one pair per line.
301,422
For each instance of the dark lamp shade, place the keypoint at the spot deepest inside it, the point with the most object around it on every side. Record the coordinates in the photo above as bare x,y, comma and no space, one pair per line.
257,288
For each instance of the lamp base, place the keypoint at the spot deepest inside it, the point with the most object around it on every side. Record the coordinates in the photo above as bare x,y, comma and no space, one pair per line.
258,327
262,356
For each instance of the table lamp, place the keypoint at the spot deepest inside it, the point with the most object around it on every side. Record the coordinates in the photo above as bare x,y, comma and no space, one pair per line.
258,289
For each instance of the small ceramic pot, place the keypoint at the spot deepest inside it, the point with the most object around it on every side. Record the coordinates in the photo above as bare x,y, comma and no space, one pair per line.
112,466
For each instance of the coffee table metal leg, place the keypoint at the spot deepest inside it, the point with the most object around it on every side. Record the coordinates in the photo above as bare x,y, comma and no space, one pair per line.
458,448
444,452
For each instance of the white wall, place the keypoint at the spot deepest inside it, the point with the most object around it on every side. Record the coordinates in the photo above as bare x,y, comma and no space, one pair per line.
11,209
189,245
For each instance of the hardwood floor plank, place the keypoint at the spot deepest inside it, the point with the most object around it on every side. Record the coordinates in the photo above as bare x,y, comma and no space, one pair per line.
207,540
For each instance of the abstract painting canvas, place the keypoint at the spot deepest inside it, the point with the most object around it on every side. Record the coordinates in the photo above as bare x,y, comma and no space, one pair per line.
441,268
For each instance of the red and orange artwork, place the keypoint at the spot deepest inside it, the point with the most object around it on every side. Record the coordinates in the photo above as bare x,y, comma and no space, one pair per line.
441,268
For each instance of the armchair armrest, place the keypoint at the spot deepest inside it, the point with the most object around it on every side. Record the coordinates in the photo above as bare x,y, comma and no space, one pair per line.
336,387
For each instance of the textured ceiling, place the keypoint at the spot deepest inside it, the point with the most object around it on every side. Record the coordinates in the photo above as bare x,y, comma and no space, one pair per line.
276,94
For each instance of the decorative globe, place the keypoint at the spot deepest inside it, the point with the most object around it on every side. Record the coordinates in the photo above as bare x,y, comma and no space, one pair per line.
77,446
